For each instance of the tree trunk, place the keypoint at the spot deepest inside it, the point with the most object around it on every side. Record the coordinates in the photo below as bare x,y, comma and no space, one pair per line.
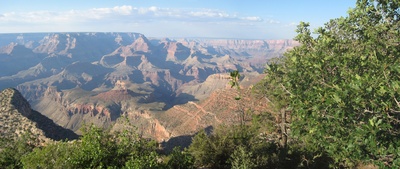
283,125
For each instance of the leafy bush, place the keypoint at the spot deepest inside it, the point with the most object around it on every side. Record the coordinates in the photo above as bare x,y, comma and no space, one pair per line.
96,149
342,86
242,159
179,159
11,151
149,161
55,155
215,150
237,146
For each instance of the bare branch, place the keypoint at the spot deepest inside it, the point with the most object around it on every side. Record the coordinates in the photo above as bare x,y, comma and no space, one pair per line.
284,88
393,118
398,104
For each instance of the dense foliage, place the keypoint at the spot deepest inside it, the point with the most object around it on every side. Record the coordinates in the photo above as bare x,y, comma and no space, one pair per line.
96,149
239,146
342,87
11,151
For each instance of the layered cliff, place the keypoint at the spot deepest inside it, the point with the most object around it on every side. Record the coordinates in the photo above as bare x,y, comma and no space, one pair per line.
240,47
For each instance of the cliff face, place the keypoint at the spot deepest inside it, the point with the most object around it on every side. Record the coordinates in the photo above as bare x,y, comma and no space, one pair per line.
72,113
236,47
93,45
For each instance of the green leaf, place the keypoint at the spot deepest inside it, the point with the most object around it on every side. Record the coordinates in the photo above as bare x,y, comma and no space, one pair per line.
382,90
379,122
237,98
336,98
293,59
363,57
371,122
358,77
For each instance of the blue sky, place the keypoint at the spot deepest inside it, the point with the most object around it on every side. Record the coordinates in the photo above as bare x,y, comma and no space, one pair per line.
241,19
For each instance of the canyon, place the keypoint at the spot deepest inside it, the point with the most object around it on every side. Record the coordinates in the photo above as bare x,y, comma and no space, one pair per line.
164,87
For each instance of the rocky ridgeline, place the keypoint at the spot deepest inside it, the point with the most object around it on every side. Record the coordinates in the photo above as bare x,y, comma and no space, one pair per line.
17,101
17,119
13,117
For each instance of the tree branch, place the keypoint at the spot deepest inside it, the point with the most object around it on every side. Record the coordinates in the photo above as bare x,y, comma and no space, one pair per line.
398,104
284,88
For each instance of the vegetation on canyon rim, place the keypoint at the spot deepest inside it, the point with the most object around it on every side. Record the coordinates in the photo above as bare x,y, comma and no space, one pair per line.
335,97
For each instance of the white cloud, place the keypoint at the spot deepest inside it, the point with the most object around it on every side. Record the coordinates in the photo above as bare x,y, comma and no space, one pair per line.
154,12
252,18
272,21
31,17
292,24
209,13
119,12
152,21
123,10
153,9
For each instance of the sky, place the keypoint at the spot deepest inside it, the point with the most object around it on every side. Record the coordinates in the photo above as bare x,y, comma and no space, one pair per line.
237,19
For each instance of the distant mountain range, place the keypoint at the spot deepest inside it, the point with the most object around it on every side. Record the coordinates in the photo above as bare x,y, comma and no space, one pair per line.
76,78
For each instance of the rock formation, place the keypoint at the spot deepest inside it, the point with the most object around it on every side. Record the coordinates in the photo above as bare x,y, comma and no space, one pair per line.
17,119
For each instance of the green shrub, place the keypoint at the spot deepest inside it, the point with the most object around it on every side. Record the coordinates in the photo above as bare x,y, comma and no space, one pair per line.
179,159
242,159
12,151
149,161
227,145
96,149
342,86
55,155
